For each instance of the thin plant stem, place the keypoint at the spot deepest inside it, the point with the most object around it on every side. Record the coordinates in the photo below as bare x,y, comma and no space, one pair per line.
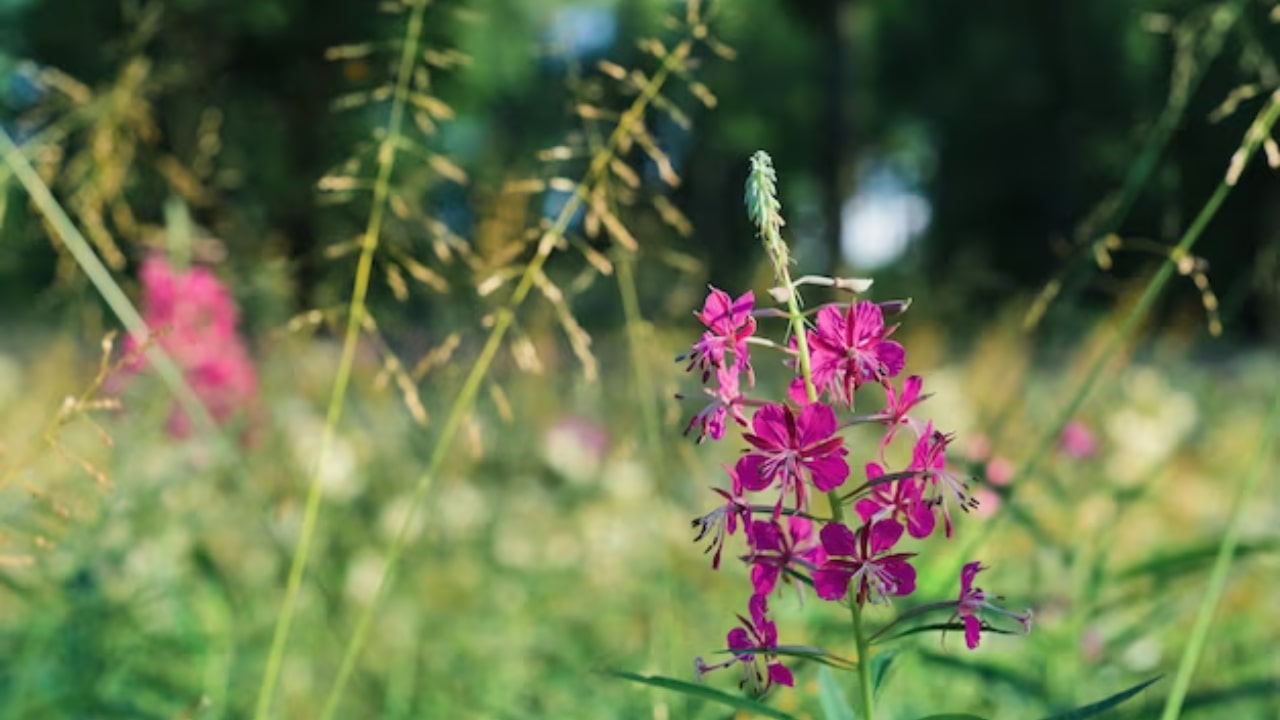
107,287
1253,139
864,666
1221,566
337,398
503,319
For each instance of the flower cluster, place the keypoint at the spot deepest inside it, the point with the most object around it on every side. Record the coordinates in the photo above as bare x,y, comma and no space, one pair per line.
796,448
193,318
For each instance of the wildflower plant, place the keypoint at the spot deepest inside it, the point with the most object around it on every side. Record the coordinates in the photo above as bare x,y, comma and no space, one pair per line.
860,548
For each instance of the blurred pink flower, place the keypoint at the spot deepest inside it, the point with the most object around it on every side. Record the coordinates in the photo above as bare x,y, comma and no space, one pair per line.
193,319
1000,470
1078,441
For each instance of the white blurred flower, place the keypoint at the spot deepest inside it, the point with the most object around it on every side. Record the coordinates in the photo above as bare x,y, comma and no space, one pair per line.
628,480
1143,655
339,479
363,575
1149,423
574,448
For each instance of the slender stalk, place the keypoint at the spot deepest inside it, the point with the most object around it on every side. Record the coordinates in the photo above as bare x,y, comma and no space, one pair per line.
337,398
480,369
1253,139
864,664
1221,566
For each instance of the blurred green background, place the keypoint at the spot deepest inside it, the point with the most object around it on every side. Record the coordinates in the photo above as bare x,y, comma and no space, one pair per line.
1019,169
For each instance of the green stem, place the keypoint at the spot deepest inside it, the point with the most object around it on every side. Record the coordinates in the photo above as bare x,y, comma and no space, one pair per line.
337,397
864,665
798,329
503,319
1221,566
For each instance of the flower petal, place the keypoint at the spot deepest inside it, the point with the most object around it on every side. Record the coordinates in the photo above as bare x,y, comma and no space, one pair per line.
828,472
831,583
838,539
779,674
748,472
884,535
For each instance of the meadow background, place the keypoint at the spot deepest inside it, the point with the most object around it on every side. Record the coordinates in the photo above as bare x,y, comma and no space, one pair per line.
466,239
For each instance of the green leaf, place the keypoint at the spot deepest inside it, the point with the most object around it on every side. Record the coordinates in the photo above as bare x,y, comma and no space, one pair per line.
1088,711
834,703
880,663
953,716
703,692
802,652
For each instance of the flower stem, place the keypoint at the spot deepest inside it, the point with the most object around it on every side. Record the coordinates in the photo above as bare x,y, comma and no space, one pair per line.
864,664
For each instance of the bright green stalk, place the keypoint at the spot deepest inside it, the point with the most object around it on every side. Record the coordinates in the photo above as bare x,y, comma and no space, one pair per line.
766,211
471,385
337,398
1221,566
106,285
1253,139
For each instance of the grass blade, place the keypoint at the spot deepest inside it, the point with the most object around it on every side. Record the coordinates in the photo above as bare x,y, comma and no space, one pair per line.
703,692
1218,576
1088,711
832,700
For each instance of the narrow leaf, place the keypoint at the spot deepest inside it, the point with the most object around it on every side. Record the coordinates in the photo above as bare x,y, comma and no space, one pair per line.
1088,711
880,663
703,692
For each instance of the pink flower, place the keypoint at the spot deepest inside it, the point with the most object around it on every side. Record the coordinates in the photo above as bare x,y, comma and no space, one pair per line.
863,560
729,324
974,601
758,634
726,401
929,462
897,407
786,446
899,500
774,551
1000,470
724,520
193,318
1078,441
850,349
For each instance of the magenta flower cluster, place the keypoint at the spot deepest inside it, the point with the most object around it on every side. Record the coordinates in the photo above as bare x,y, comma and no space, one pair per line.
193,318
796,448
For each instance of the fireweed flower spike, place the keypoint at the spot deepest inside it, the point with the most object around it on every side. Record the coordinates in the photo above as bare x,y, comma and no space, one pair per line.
796,447
786,445
760,635
863,559
973,601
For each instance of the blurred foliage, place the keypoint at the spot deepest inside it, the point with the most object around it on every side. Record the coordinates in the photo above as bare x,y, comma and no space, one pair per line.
1017,121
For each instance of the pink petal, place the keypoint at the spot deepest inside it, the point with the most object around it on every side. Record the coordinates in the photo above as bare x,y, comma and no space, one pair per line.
972,632
831,584
967,574
867,319
759,605
748,472
829,472
816,423
764,578
770,425
892,356
765,536
797,393
838,539
884,535
867,508
779,674
904,576
738,639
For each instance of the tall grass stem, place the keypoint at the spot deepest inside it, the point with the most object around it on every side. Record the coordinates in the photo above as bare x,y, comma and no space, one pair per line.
503,319
337,399
1221,566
